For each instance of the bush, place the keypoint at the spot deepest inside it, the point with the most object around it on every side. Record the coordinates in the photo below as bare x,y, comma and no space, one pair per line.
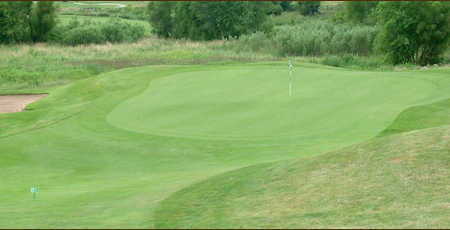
209,20
88,32
348,60
42,21
308,7
353,39
313,38
275,9
83,35
15,22
256,42
323,37
413,32
288,18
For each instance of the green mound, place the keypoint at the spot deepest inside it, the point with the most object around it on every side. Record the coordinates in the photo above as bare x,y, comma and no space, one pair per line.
400,181
420,117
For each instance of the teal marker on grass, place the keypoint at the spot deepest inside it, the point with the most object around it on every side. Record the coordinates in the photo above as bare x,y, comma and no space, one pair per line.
34,191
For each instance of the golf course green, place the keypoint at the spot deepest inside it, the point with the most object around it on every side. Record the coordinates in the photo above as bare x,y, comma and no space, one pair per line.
215,146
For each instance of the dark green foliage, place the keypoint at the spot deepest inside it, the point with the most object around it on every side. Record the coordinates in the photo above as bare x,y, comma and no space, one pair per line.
413,32
14,22
286,5
256,19
308,8
275,8
114,31
360,12
42,21
83,35
161,17
208,20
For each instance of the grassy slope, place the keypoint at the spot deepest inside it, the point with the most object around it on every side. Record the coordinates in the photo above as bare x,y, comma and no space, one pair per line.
400,181
92,174
420,117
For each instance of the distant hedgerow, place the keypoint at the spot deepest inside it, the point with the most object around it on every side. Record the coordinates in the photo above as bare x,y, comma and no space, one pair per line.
114,31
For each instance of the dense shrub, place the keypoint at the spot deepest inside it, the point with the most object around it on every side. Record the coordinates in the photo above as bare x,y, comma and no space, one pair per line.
359,11
22,22
15,22
414,32
114,31
288,18
321,37
256,42
308,8
209,20
286,5
83,35
313,38
356,40
42,21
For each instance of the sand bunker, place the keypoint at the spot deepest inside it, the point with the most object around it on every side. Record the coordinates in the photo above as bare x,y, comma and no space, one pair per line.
17,103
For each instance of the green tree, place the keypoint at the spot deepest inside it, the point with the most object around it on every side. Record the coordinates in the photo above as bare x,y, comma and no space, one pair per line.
275,8
15,21
286,5
255,17
413,32
309,8
360,12
229,20
183,11
161,17
210,20
42,21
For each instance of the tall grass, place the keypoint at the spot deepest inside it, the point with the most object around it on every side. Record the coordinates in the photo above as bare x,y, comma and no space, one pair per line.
312,38
42,65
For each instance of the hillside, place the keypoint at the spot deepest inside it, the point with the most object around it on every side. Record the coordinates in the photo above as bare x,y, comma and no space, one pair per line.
420,117
399,181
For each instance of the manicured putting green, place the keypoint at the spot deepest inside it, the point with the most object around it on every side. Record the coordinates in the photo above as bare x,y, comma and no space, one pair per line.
253,103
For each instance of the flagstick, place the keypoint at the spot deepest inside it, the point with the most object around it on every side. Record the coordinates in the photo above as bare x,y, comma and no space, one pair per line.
290,87
290,77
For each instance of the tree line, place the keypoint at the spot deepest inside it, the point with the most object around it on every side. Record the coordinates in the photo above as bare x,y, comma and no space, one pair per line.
26,21
208,20
409,32
406,32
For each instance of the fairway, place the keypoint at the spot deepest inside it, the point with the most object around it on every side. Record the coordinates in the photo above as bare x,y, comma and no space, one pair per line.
118,150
